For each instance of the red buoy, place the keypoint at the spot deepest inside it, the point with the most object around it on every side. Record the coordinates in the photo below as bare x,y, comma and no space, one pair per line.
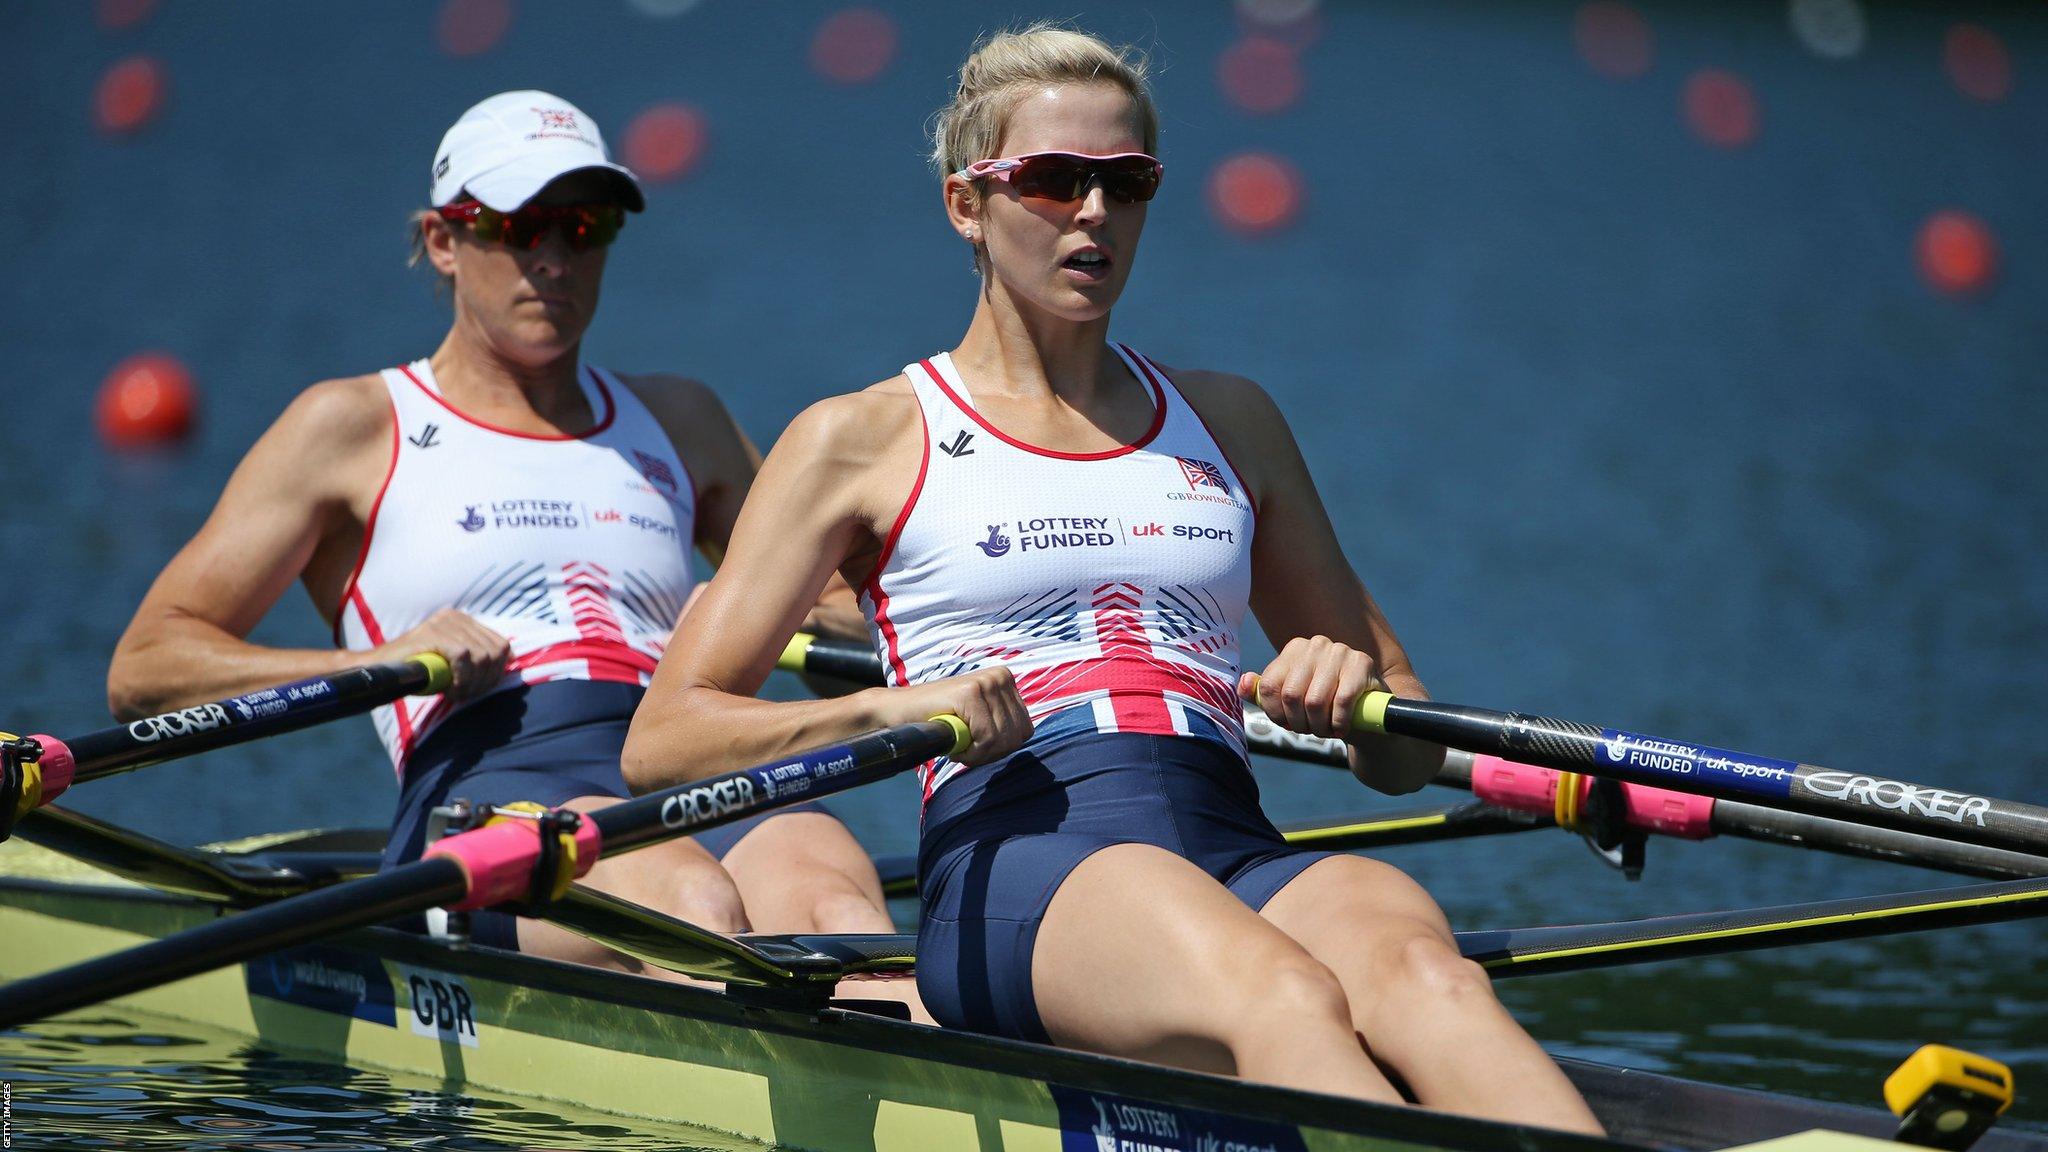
129,96
1956,253
116,14
1613,39
472,27
666,141
854,46
1254,192
1260,74
1977,63
1720,108
146,401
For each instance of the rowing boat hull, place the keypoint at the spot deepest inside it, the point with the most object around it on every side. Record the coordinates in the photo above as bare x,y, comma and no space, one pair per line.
825,1080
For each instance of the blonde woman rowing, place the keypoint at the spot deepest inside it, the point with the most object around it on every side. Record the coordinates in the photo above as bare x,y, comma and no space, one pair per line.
1058,538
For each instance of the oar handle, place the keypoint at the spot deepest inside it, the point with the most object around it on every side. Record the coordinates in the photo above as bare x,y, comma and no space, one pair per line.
235,720
840,659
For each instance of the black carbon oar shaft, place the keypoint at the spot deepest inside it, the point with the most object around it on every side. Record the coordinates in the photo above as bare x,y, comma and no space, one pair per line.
476,869
232,939
839,659
735,795
38,769
1831,833
267,712
1855,797
1805,830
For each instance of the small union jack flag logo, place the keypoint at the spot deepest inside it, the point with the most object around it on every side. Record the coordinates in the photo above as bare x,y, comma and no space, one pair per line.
1202,474
562,118
656,471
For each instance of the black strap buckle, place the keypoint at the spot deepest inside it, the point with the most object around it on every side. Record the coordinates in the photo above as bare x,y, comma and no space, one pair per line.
1604,823
556,824
16,754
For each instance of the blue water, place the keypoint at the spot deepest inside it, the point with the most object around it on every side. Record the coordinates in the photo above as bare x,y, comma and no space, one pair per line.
1618,426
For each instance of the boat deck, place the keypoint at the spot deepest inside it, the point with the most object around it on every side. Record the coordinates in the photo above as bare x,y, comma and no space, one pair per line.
807,1075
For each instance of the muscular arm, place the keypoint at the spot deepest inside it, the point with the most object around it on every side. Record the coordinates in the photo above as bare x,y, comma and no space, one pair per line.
295,493
833,484
723,462
1303,587
802,517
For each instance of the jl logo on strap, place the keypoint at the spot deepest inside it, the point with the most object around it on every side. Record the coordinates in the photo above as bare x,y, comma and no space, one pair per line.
959,445
426,438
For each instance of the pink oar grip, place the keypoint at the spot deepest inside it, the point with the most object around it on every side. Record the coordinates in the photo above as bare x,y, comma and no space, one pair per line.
500,859
58,766
1527,788
1661,810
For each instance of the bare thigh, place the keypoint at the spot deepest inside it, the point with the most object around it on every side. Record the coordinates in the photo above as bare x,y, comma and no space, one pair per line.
1142,954
1426,1013
804,872
1343,904
1365,921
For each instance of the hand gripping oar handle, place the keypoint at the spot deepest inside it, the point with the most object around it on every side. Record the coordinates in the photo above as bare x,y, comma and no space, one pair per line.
51,764
499,859
490,865
1572,747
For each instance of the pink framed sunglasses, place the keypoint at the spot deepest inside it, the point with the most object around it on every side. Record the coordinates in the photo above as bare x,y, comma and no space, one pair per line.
1127,177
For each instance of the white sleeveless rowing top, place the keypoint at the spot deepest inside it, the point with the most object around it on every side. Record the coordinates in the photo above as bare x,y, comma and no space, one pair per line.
1113,583
576,548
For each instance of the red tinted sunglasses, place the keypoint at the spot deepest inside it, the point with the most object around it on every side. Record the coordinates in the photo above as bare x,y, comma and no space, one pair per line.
1127,177
584,226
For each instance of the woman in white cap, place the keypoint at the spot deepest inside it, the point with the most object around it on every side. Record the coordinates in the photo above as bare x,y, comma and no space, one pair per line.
525,514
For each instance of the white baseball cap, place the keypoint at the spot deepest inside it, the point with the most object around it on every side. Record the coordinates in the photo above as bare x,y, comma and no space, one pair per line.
512,145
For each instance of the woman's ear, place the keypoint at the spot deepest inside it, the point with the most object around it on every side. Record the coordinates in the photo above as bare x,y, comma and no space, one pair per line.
963,208
438,240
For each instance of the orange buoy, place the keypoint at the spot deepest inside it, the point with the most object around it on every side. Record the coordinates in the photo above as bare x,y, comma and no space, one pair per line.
129,96
1977,63
665,141
1255,192
472,27
854,46
1956,253
1720,108
1260,74
1613,39
147,400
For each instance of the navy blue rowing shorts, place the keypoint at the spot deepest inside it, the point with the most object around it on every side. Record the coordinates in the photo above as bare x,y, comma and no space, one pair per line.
999,840
549,743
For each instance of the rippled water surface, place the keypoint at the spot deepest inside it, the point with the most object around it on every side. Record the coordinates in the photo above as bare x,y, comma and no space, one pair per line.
117,1078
